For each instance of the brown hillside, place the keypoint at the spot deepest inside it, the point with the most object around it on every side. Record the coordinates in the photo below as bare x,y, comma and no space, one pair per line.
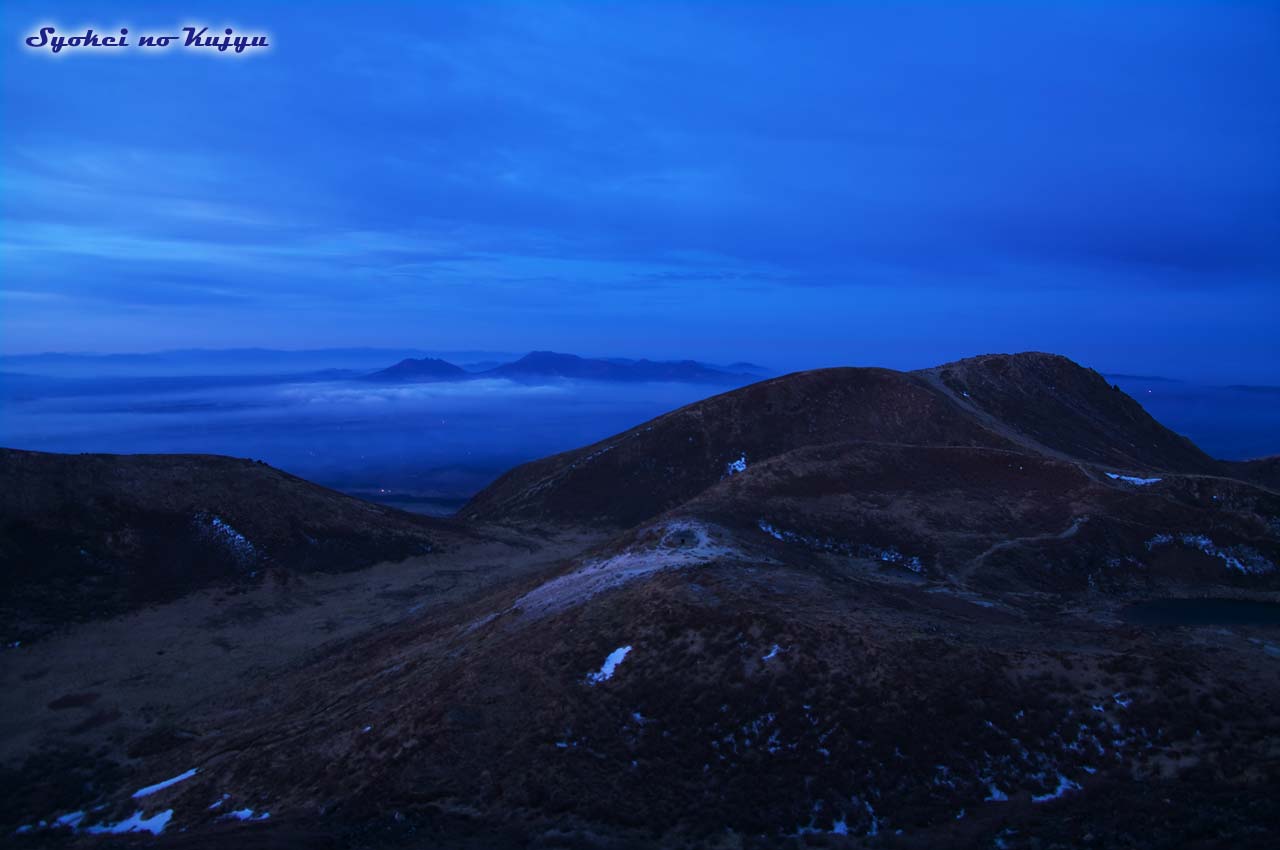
86,536
1040,403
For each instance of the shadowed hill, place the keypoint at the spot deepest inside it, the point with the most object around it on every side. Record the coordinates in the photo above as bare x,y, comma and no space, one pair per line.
1067,409
1001,520
85,536
1264,471
660,464
1041,403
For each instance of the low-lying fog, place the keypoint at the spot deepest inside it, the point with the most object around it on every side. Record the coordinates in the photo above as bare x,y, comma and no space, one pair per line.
427,447
421,446
1228,422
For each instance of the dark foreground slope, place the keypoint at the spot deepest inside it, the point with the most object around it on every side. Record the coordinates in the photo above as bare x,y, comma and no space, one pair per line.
759,703
847,608
1003,521
84,536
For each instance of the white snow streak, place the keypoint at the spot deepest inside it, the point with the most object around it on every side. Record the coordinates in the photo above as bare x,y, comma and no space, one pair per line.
610,664
1132,479
1242,559
136,822
160,786
1065,786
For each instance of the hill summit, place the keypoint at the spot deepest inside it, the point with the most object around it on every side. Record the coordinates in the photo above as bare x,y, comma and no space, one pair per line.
1040,404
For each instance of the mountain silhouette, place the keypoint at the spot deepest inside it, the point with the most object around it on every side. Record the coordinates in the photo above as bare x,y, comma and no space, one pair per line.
543,365
424,370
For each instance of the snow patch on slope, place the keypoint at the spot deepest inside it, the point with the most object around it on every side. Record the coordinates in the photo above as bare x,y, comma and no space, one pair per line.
1132,479
610,665
160,786
682,544
136,822
888,555
1243,559
218,530
1065,786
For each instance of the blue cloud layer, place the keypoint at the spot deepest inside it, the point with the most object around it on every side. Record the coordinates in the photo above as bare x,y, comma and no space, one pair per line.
805,183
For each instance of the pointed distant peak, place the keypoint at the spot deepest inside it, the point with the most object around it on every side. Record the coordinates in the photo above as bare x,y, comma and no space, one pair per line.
419,370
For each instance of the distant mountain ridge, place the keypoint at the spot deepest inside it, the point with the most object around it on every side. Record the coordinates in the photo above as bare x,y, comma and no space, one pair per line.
550,364
410,365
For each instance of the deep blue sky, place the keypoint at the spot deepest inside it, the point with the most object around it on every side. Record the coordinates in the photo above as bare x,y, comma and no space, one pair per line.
800,186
